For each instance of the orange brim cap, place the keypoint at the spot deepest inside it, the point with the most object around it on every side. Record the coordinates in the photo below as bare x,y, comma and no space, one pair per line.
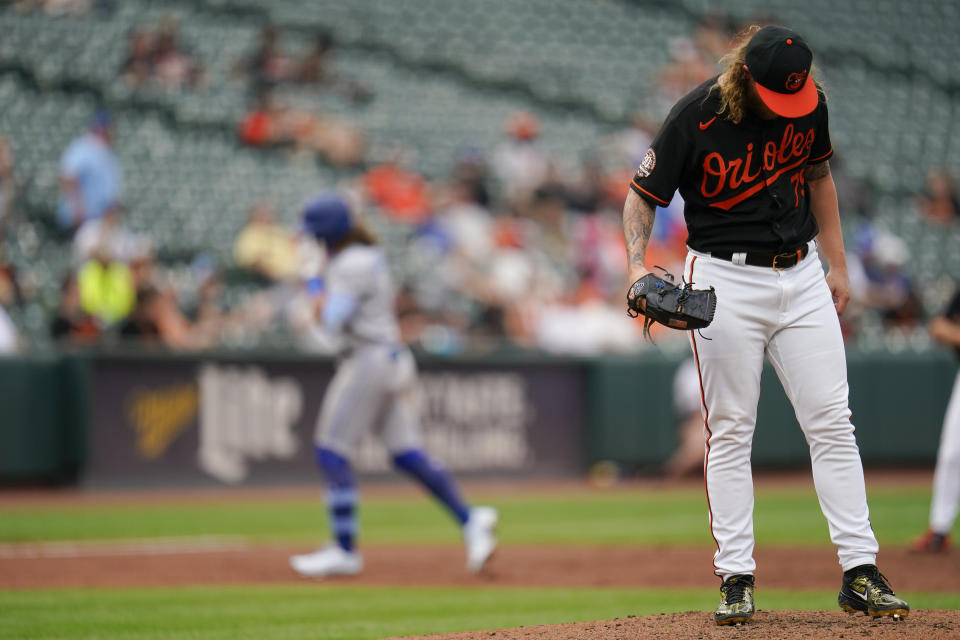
790,105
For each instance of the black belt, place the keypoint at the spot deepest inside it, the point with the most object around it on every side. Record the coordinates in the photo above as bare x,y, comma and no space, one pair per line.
777,261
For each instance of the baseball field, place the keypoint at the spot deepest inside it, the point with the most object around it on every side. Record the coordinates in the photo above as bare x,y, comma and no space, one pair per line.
632,560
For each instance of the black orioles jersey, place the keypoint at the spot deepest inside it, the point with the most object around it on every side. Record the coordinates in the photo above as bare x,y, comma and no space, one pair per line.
742,184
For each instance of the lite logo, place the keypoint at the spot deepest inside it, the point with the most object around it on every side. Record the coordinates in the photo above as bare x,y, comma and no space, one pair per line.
245,415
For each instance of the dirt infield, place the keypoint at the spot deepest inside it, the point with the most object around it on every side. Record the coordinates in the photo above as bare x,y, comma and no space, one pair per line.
214,561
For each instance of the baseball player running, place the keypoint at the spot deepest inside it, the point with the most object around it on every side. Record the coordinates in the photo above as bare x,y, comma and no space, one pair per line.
373,389
748,151
946,477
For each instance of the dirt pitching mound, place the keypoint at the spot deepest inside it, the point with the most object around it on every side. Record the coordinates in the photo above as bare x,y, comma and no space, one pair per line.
784,625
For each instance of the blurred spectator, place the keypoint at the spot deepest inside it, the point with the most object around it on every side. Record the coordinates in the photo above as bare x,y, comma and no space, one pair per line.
71,323
262,126
403,194
450,255
517,163
505,292
268,123
267,65
410,316
141,324
55,8
486,271
143,263
90,175
597,251
138,65
624,150
156,320
106,288
266,247
157,55
630,144
7,181
939,203
588,193
9,340
8,297
879,280
14,287
548,209
584,323
466,226
667,247
470,174
315,69
174,65
106,233
208,313
340,142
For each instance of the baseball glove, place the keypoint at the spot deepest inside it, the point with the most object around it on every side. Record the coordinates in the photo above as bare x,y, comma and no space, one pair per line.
678,307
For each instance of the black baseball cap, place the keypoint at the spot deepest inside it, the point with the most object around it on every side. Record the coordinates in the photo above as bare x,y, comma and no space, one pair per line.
779,61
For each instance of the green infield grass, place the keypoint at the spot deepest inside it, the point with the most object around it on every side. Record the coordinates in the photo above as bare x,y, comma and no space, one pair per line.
783,517
358,613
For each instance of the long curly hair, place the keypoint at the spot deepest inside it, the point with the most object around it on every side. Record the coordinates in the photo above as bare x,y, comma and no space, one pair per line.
359,233
735,91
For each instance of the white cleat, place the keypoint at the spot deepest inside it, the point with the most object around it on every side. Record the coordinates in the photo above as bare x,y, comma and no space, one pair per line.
478,537
328,561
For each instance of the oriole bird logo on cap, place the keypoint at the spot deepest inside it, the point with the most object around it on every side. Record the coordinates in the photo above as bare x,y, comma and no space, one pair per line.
796,80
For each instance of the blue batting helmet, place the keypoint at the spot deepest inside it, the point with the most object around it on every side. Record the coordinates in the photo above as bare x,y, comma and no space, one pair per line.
327,218
102,120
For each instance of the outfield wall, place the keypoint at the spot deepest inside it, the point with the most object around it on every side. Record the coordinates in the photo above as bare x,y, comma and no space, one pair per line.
129,420
43,418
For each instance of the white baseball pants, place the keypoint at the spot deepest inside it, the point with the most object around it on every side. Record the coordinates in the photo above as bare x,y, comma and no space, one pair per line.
946,478
373,390
788,317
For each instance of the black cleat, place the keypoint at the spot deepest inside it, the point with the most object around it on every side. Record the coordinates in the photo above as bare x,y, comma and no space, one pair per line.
736,600
866,589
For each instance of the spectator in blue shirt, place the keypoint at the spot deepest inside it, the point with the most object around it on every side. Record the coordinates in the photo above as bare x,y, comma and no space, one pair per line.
90,175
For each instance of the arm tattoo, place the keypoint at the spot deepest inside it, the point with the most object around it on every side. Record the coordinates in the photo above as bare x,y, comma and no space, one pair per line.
638,218
817,171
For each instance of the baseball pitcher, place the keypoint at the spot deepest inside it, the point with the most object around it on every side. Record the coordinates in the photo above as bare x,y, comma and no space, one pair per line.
748,151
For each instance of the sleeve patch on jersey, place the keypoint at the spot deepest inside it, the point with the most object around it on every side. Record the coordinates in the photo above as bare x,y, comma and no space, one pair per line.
647,164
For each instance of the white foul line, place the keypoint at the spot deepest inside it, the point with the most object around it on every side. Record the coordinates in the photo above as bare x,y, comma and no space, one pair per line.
137,547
